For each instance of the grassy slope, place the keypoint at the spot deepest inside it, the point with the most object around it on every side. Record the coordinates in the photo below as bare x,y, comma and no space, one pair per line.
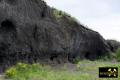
84,70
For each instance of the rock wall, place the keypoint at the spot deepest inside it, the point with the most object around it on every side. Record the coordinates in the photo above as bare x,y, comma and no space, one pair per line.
113,44
31,32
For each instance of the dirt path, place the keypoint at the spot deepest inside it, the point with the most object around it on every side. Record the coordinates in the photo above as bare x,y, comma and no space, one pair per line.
2,77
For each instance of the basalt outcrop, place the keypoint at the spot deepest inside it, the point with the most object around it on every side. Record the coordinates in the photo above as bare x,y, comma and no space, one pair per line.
31,31
113,45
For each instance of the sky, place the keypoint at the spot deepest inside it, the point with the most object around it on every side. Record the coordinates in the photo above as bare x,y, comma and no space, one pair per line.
102,16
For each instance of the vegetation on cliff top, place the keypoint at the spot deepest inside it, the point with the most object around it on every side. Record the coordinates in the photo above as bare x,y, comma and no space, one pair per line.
60,14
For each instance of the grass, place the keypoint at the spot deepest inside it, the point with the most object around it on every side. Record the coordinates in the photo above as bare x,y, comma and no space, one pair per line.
84,70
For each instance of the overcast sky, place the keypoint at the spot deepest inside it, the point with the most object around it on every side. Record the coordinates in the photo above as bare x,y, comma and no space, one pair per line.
100,15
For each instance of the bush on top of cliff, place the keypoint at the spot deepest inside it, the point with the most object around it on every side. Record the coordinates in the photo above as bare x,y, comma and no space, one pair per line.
58,14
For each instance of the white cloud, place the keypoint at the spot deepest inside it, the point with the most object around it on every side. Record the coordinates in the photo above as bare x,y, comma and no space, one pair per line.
100,15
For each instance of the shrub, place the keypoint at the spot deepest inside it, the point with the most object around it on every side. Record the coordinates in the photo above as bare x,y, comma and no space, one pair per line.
59,14
118,54
76,60
11,72
22,66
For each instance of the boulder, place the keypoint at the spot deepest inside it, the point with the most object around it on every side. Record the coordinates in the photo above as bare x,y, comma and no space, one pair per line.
113,44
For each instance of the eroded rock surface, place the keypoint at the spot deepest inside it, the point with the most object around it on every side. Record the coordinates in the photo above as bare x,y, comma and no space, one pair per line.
113,44
30,32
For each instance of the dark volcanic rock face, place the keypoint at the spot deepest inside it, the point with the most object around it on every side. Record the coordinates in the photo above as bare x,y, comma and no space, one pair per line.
113,44
30,32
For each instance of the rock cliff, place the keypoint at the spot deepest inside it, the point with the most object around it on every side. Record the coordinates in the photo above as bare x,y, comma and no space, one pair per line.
31,31
113,44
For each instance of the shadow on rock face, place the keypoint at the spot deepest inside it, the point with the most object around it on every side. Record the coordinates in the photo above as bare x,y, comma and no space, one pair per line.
7,26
